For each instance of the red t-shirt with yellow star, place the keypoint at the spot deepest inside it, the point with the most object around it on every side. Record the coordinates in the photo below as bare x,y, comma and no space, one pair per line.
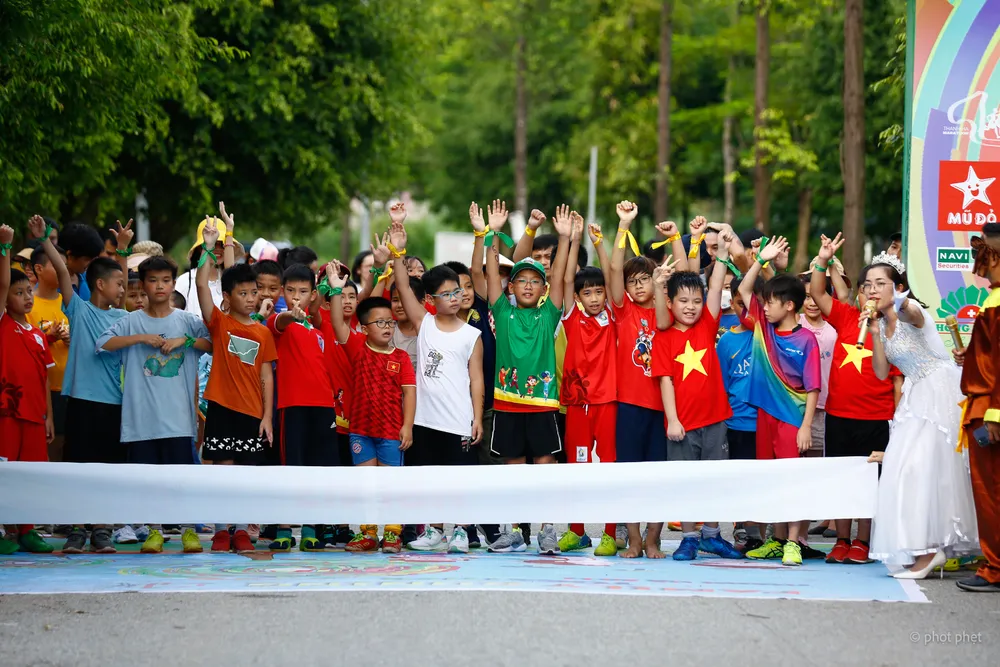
855,391
689,358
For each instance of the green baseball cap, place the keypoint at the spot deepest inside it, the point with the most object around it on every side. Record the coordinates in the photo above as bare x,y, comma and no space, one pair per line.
528,264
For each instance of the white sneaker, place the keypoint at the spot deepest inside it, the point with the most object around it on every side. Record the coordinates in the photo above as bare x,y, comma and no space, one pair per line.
125,535
431,540
459,543
621,536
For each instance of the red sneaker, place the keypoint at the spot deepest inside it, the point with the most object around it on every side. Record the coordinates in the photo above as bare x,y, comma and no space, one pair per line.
363,542
242,543
858,555
220,542
839,551
391,543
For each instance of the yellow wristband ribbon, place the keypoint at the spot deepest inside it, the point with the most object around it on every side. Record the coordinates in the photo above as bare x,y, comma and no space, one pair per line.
530,232
396,253
599,236
630,239
481,234
666,241
383,276
695,246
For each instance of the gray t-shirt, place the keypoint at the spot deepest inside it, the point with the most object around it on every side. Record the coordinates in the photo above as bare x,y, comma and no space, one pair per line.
158,389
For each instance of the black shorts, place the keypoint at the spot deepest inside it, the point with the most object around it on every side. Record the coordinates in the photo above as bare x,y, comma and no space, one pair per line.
59,412
520,434
438,448
93,432
640,434
162,451
232,436
344,449
855,437
309,436
742,445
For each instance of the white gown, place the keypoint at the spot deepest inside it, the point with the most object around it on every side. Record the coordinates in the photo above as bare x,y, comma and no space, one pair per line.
925,493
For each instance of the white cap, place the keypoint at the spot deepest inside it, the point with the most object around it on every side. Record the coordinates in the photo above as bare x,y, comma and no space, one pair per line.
263,249
504,261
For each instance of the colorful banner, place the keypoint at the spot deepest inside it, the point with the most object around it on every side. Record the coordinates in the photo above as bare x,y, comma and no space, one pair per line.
952,149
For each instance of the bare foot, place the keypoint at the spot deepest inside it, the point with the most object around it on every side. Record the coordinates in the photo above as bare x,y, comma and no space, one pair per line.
634,551
653,551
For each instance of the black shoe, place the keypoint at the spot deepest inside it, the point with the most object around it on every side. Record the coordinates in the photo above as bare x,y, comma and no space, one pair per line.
977,584
808,553
100,541
830,533
342,536
473,533
62,530
818,529
751,544
269,532
525,531
75,542
408,535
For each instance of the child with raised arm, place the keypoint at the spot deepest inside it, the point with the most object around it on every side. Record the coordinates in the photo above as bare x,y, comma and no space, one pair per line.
160,347
784,383
26,422
450,385
239,394
525,387
384,391
694,398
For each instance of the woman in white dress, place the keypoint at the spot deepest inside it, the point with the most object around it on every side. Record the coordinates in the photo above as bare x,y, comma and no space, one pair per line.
925,511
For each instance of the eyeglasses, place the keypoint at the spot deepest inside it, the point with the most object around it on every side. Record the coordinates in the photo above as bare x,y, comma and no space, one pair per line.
384,324
640,280
454,294
524,282
878,284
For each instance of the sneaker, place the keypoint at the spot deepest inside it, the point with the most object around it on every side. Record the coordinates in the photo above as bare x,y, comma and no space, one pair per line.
976,584
125,535
62,530
100,541
473,533
75,542
391,543
770,550
431,540
8,547
740,540
751,544
141,533
459,543
509,541
688,549
171,529
548,544
570,541
606,547
281,544
525,529
253,532
32,542
858,553
408,535
364,541
791,554
839,552
808,553
222,542
190,542
153,543
621,536
719,547
674,526
241,542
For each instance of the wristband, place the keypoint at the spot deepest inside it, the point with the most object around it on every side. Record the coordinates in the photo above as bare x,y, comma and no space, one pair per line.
189,341
257,317
831,262
124,253
384,276
48,230
695,246
530,232
376,271
229,235
732,267
336,291
506,240
4,247
479,235
817,267
630,239
205,255
666,241
396,253
323,287
598,238
762,261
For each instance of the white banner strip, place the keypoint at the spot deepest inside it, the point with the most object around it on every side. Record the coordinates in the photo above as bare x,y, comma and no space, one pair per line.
782,490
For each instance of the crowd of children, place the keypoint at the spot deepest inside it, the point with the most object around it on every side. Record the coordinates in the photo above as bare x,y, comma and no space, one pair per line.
701,348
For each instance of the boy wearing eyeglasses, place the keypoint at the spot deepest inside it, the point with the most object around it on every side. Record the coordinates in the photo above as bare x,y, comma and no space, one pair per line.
449,410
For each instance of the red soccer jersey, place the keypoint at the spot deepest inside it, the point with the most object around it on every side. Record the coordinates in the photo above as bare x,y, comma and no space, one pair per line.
689,358
24,363
303,374
589,374
377,396
636,330
340,370
855,391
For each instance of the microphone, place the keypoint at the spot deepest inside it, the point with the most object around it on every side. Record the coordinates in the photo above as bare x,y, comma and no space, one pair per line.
870,308
956,337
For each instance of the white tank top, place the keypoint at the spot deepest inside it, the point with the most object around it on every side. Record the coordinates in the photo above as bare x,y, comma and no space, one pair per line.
444,398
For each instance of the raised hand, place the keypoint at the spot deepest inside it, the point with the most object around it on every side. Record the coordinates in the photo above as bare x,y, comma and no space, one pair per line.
775,247
536,219
297,313
7,233
698,226
663,272
210,233
476,218
36,227
667,228
123,235
226,218
781,261
380,252
397,212
829,247
725,238
333,274
497,212
562,222
397,235
595,232
626,213
578,225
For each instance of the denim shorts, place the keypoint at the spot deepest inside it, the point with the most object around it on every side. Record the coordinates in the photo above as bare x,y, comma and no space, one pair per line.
364,449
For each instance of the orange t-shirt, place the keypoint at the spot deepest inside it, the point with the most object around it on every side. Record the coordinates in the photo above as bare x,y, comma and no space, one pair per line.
238,351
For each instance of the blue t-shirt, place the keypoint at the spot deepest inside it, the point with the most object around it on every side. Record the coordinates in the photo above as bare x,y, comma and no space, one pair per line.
479,317
735,351
91,376
82,289
158,396
728,321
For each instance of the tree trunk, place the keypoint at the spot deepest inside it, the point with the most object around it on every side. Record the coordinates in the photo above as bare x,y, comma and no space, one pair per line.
663,112
521,128
801,258
854,136
729,151
761,174
345,237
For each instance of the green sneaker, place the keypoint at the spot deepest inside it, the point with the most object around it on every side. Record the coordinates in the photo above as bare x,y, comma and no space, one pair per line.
190,542
792,554
310,544
153,543
32,542
570,541
768,551
607,547
8,547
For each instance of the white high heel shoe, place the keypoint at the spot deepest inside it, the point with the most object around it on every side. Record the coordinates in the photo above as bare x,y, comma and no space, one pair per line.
938,561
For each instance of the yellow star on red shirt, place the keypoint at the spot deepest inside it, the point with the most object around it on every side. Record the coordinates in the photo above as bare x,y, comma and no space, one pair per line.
691,360
855,355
